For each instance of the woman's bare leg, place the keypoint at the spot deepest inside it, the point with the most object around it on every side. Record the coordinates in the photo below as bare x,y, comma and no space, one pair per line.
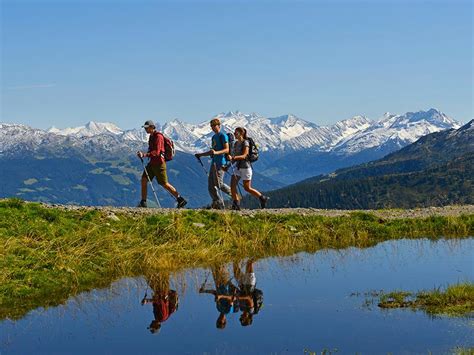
250,190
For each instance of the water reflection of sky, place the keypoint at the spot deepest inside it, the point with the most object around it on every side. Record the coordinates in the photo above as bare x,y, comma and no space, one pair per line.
307,304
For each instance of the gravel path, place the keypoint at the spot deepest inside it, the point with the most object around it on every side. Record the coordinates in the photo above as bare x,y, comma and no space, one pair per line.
385,214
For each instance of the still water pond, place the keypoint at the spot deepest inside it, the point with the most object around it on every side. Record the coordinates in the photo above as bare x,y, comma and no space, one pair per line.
308,302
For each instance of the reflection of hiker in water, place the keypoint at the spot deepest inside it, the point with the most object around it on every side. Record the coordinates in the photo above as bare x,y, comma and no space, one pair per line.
164,300
225,294
250,298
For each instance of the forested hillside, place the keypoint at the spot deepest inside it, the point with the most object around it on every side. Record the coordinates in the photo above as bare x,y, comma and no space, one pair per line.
435,170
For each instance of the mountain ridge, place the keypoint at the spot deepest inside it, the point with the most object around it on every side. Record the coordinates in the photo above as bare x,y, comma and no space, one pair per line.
437,169
106,149
284,133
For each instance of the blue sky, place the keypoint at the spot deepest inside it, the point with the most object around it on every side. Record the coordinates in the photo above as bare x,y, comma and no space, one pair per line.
68,62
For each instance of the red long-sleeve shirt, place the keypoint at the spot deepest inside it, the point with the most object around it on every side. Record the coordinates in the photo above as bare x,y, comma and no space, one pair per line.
156,148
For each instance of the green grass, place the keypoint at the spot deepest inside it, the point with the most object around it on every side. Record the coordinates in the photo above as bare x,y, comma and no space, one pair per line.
121,179
456,300
463,351
47,254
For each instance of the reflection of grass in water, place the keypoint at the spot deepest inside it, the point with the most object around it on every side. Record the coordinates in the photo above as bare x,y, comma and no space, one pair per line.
463,351
48,254
455,300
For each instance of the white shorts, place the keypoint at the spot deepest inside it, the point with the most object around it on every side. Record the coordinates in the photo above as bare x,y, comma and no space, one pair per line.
248,279
244,174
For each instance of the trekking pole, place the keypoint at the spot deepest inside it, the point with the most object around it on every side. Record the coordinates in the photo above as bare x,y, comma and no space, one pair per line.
218,190
151,183
200,161
238,182
146,294
205,280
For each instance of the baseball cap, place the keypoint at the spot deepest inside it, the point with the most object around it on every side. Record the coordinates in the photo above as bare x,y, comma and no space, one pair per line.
149,123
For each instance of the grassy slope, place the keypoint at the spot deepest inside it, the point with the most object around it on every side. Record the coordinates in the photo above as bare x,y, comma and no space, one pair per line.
46,255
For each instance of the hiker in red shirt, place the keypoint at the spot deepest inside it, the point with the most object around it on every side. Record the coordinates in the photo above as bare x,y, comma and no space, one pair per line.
157,165
165,301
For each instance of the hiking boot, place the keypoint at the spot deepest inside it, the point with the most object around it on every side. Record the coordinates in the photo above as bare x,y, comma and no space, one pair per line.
263,201
217,205
181,202
143,204
236,206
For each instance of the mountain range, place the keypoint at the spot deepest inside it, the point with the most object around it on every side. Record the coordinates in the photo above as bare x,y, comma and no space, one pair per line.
435,170
96,163
288,132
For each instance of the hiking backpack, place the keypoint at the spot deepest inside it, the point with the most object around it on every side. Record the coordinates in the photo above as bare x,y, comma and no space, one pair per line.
253,150
168,144
257,300
231,141
231,138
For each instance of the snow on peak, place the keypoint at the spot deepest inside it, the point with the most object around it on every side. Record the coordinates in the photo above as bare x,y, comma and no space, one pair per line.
397,130
102,127
468,126
430,117
237,116
286,132
290,120
344,129
180,131
174,122
90,129
387,116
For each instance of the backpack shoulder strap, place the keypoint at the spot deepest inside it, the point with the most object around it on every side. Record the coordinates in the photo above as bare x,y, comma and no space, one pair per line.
157,134
222,138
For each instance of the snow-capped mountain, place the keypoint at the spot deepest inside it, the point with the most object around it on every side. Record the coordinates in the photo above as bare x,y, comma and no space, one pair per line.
270,133
18,137
90,129
283,133
324,138
396,131
286,133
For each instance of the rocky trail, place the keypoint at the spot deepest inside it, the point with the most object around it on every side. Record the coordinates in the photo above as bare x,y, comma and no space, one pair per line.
384,213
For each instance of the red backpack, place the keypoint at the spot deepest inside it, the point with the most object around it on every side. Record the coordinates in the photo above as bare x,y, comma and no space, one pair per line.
161,310
169,151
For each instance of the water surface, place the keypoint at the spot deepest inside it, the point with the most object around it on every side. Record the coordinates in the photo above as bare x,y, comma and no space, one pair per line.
310,302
